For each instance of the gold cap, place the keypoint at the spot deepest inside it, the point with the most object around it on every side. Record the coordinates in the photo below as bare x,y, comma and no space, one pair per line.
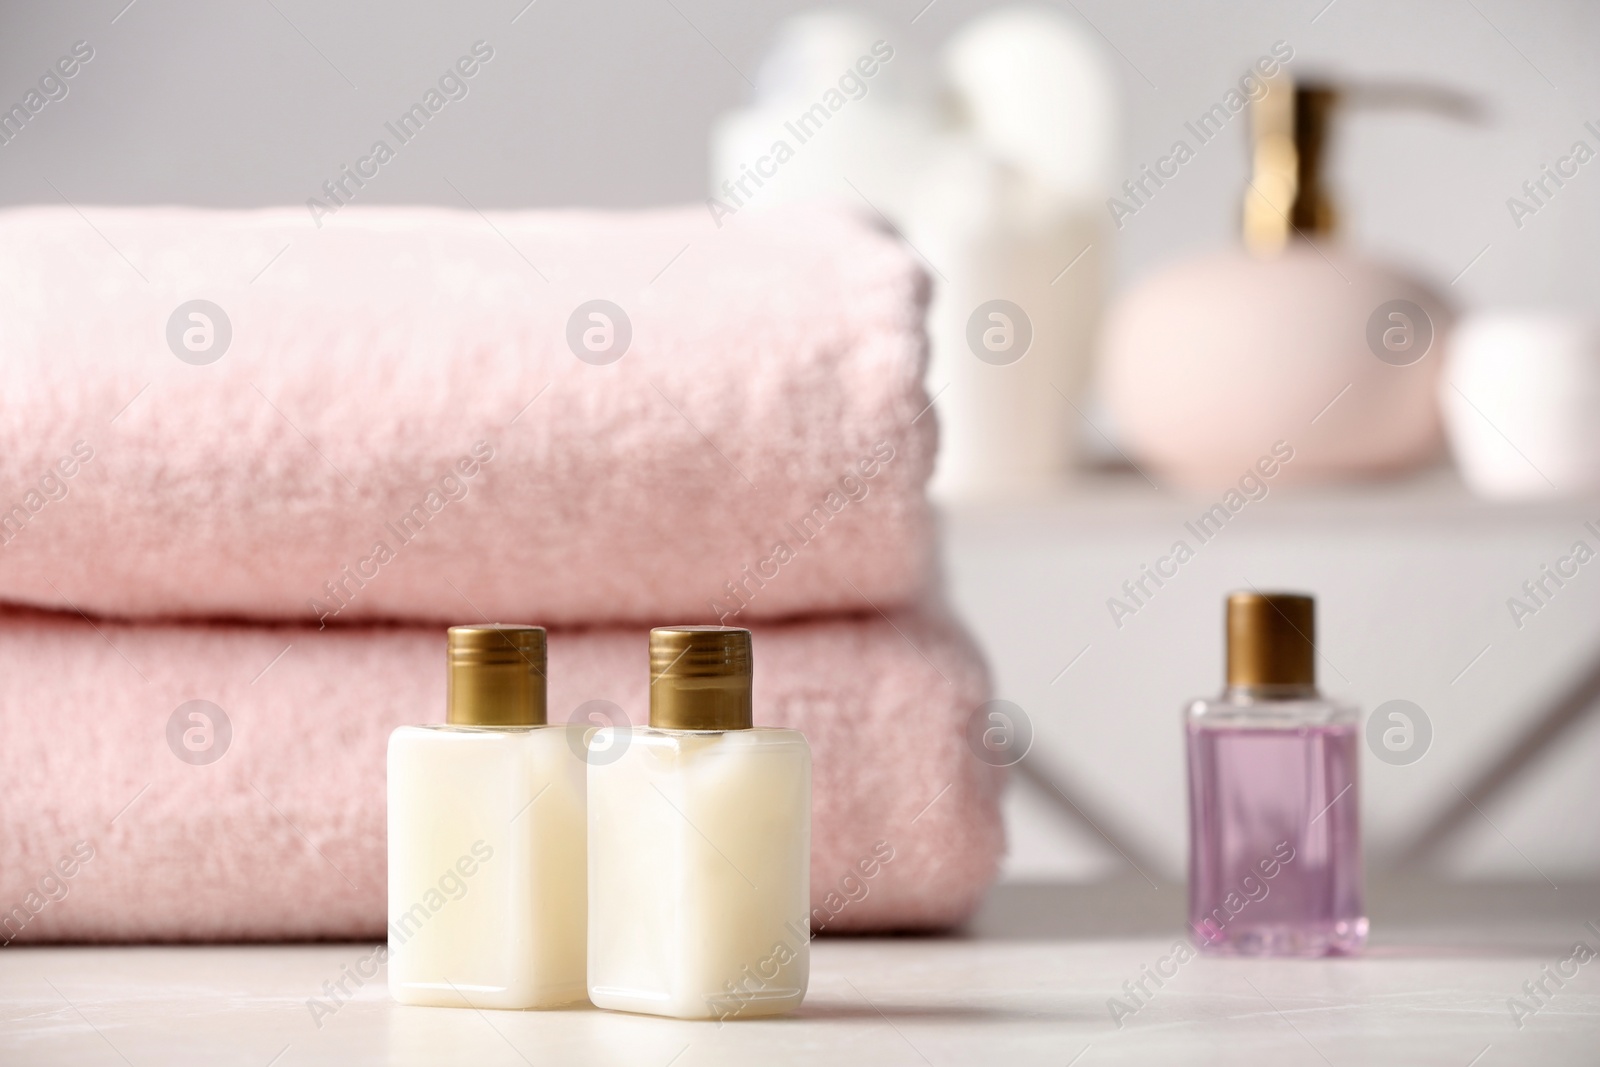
1286,195
700,678
497,675
1270,640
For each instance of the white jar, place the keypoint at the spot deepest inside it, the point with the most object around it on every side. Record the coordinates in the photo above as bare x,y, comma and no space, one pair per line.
1521,398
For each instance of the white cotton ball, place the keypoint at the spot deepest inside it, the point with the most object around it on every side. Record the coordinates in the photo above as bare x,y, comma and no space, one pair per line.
1037,91
837,115
811,50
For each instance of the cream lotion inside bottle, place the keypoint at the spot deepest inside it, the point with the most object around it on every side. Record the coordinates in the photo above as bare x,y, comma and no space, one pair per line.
487,896
699,844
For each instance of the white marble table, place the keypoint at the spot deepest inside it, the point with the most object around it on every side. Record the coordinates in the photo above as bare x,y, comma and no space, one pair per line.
1433,990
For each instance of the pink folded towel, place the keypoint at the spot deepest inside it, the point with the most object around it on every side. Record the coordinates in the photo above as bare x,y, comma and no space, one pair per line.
106,834
410,414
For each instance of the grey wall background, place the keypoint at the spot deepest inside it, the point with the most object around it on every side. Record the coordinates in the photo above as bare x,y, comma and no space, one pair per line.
607,103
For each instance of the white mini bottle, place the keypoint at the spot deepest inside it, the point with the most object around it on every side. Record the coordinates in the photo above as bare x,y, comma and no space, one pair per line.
699,844
487,897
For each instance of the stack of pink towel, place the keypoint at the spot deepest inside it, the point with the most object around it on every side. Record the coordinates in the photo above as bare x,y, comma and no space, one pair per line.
257,464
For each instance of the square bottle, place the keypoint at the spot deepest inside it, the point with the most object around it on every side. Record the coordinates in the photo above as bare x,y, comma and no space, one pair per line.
699,844
487,838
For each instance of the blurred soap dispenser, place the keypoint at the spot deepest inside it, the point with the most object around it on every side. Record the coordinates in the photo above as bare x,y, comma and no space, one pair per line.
1293,338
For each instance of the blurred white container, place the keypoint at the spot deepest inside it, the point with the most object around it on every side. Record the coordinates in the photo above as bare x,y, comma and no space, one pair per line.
1521,399
1002,376
999,186
1014,212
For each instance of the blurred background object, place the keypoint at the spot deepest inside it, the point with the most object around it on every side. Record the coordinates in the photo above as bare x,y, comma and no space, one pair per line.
1295,338
1522,403
855,116
993,162
1020,221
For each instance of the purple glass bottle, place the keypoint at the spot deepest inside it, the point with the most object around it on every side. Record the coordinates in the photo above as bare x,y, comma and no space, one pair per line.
1274,805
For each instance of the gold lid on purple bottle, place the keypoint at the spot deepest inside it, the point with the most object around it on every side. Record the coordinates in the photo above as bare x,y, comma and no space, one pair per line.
1271,640
496,675
700,678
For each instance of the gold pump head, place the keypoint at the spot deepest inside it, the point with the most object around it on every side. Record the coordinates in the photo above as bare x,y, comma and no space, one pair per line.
1286,194
1290,128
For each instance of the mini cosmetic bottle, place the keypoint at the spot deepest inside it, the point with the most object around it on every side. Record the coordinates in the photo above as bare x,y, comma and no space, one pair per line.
699,844
487,902
1274,830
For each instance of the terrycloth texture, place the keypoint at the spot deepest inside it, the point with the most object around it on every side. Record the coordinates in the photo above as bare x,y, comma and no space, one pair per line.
283,837
316,467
